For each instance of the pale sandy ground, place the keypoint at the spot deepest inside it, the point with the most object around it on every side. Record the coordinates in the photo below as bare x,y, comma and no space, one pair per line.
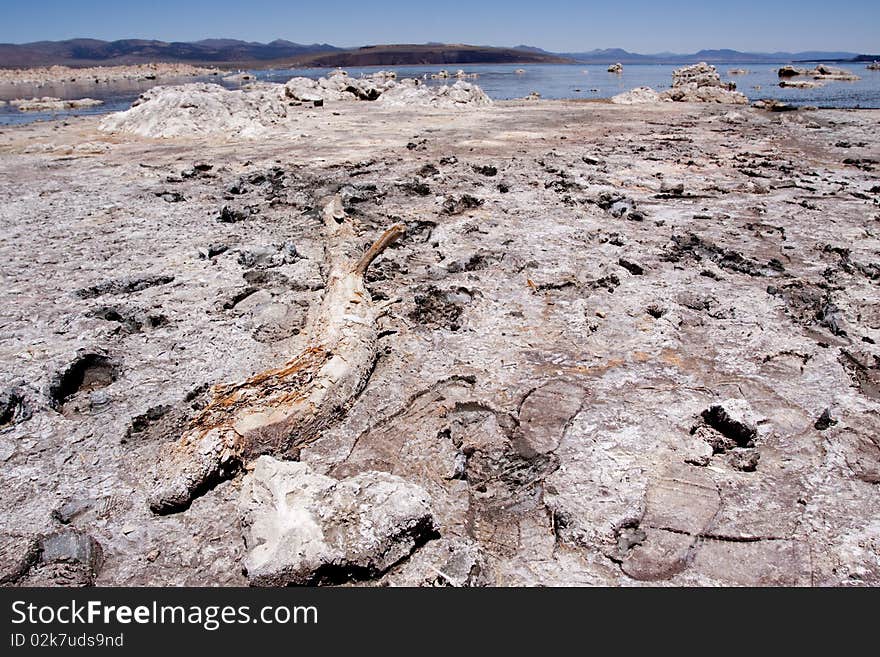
523,340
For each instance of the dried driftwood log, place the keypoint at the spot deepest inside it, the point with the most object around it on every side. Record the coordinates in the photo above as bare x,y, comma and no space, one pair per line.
279,410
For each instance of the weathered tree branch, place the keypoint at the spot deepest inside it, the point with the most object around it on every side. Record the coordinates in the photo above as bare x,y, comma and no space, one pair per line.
279,410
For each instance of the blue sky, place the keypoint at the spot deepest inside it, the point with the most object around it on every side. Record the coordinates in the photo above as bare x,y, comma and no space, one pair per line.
637,25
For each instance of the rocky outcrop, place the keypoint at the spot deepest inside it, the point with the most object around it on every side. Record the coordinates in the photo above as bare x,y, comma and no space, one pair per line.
339,86
238,78
637,96
411,93
301,527
791,72
103,74
821,72
51,104
616,68
200,110
384,86
787,83
700,83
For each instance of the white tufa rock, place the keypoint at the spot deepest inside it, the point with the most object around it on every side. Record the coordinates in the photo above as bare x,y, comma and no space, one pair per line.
200,110
700,83
301,527
637,96
411,93
51,104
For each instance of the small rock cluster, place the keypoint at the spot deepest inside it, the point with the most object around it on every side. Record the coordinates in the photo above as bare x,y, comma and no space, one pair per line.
701,83
698,83
52,104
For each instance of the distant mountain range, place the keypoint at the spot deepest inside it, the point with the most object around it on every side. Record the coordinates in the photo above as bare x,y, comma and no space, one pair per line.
725,56
92,52
249,54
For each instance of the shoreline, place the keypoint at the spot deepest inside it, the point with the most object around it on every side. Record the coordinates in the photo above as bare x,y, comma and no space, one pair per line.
116,86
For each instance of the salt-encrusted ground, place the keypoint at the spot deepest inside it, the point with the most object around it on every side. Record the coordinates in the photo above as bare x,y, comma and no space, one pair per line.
580,281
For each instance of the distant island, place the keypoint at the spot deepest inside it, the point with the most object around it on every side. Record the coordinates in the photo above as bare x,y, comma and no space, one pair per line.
414,55
228,53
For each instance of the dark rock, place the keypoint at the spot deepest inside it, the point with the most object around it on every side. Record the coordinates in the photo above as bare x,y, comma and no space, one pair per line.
609,282
656,311
68,558
745,460
212,250
230,215
419,232
633,268
436,308
15,406
692,246
428,170
474,262
486,170
735,419
171,197
714,438
416,187
464,203
672,189
810,304
791,72
863,163
825,421
124,286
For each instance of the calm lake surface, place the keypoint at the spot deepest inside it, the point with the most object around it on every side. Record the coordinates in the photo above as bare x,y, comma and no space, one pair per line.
501,82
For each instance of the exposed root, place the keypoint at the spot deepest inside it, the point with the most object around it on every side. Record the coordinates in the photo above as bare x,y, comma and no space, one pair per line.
282,409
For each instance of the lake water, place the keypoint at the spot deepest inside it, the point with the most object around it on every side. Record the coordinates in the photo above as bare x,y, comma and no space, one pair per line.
502,82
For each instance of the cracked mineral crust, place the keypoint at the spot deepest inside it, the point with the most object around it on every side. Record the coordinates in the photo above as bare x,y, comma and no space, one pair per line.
603,364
